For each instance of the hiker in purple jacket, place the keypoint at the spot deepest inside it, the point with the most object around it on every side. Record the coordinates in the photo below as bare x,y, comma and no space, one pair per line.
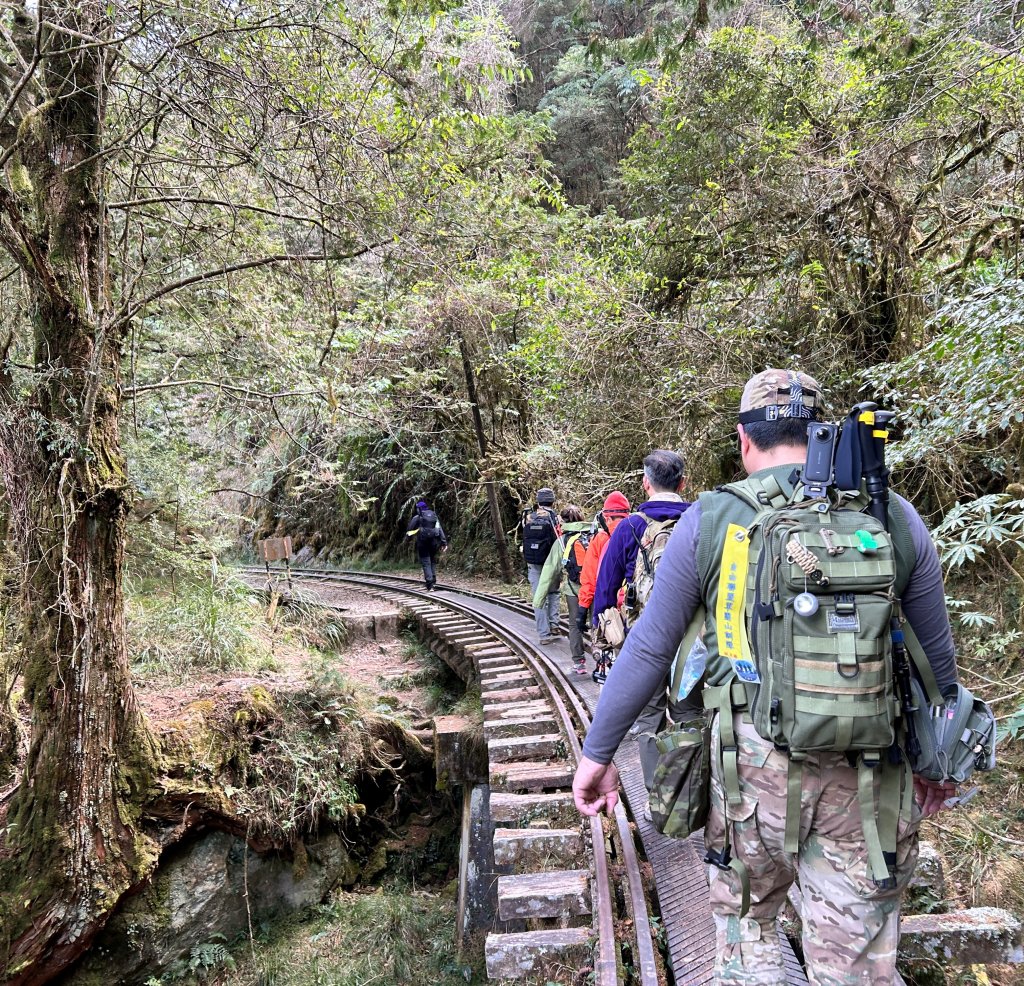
663,479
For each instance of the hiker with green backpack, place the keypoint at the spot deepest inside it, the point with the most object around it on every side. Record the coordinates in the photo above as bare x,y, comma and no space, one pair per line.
812,599
564,565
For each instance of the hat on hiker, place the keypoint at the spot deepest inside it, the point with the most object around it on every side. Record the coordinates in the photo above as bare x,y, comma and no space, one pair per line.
774,394
545,496
615,503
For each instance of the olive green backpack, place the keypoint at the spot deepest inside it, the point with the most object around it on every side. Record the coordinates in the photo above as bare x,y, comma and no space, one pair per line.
806,598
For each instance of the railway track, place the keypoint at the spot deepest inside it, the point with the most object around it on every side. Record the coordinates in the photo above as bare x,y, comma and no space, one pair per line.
576,889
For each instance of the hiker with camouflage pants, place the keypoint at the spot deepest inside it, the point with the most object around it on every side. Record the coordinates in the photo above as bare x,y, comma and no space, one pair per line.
850,918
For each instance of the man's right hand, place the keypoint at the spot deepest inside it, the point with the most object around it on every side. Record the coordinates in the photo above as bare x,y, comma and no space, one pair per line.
581,620
595,786
931,795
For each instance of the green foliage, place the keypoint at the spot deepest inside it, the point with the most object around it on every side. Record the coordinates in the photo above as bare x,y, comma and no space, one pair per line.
963,390
971,529
205,960
213,623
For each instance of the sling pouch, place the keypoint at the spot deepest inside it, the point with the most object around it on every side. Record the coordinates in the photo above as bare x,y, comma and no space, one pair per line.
680,795
610,627
681,789
956,738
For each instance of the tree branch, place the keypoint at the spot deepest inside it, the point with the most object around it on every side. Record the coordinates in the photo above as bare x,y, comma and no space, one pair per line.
220,385
128,314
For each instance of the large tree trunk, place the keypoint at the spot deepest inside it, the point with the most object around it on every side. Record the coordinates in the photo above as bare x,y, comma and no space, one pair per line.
72,845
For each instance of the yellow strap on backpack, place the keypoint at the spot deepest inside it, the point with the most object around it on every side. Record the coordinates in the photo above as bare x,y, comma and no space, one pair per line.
730,608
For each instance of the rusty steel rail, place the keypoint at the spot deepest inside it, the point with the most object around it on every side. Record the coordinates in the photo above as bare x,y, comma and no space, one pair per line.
573,717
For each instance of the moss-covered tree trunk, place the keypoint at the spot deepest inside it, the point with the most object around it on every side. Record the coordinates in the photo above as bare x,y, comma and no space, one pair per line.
71,846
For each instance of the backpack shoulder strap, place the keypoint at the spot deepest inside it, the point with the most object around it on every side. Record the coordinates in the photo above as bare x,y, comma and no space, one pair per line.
632,529
641,551
903,544
742,489
920,659
693,629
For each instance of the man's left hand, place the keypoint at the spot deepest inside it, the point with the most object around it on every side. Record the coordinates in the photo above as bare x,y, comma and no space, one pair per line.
930,795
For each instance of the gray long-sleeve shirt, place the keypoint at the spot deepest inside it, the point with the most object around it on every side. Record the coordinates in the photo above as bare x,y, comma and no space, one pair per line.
653,641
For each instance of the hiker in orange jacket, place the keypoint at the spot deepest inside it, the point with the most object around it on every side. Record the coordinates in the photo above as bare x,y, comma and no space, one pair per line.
616,506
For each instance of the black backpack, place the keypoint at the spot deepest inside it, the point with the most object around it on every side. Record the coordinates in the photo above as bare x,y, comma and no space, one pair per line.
538,535
575,551
430,527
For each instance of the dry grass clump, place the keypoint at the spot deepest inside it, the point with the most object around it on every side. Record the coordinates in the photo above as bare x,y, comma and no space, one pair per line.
389,936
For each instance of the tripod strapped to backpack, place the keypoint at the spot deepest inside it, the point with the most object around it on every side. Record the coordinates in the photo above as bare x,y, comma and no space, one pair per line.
858,461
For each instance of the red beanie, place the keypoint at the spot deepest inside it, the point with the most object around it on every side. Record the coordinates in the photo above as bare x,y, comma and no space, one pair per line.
616,503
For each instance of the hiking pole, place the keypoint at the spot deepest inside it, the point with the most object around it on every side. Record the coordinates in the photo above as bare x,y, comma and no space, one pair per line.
874,433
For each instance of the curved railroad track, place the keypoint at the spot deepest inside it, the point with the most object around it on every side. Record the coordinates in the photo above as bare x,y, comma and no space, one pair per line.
535,715
574,890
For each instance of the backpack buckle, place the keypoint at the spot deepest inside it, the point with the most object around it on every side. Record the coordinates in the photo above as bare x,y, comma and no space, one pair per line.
719,857
845,605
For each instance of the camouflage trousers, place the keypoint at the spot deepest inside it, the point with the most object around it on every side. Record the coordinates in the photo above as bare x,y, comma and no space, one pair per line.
850,926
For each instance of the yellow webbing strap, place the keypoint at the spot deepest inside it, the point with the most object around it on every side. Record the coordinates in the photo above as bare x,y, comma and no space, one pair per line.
730,607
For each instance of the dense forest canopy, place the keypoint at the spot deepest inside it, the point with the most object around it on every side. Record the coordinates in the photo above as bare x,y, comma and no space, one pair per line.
287,268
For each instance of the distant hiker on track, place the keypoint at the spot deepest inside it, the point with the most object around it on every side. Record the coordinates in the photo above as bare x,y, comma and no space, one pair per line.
430,539
616,506
565,564
540,531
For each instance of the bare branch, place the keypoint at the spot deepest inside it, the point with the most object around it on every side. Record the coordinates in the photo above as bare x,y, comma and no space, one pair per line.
128,314
220,385
224,203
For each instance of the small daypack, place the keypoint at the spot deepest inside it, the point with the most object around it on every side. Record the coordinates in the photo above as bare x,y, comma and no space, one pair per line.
650,547
572,557
539,535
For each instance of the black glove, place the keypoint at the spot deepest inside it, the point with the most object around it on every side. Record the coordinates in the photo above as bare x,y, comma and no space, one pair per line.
581,620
